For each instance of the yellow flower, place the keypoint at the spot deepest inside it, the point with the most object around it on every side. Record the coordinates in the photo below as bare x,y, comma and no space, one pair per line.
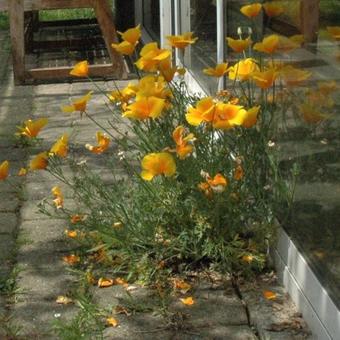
151,56
311,114
334,31
105,282
189,301
80,69
265,79
203,112
250,118
268,45
32,128
248,258
124,47
216,184
153,86
155,164
239,173
60,148
219,71
269,295
167,70
39,162
125,94
239,45
252,10
76,218
293,76
78,105
58,197
111,321
103,143
184,145
287,45
22,172
228,115
243,69
145,107
181,41
132,35
71,259
4,170
273,9
71,233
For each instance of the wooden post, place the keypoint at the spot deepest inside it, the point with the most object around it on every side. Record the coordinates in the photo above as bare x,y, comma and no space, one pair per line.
16,20
105,20
309,16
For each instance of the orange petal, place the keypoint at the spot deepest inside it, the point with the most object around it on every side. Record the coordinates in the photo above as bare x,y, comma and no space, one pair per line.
189,301
111,321
103,282
63,300
269,295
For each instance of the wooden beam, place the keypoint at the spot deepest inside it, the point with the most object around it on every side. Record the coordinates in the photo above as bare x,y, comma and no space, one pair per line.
105,20
16,20
309,17
64,72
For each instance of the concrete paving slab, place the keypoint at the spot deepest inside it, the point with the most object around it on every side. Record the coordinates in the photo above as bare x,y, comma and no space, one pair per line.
8,223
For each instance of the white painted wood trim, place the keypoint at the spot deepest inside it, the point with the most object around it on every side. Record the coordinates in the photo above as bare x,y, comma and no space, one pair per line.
319,311
220,21
166,10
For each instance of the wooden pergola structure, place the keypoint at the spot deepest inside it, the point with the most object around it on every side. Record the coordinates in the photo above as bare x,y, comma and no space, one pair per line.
26,11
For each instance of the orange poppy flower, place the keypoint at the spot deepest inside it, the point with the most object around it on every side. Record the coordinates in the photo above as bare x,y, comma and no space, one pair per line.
181,41
39,162
243,69
80,69
78,105
32,128
189,301
265,79
239,173
273,9
228,115
103,143
132,35
252,10
184,145
203,112
124,47
59,198
151,56
4,170
250,118
293,76
144,108
22,172
218,71
239,45
60,148
71,259
268,45
155,164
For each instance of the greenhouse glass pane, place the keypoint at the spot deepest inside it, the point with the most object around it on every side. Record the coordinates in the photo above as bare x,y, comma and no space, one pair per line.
310,139
199,17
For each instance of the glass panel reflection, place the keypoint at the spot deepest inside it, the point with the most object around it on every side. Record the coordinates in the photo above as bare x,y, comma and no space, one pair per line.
199,16
151,18
310,139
